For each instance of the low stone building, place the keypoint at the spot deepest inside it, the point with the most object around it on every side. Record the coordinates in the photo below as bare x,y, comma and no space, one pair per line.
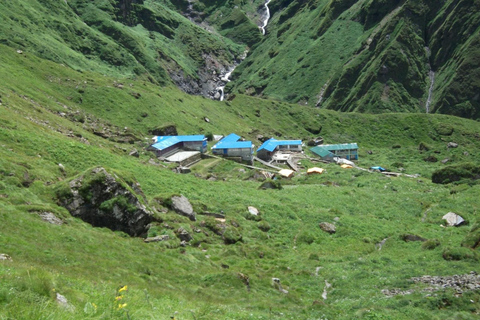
269,147
165,146
328,152
231,147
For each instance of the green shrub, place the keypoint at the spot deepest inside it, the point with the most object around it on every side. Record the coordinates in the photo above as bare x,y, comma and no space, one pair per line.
466,171
459,253
264,226
231,235
444,130
423,147
306,237
430,244
313,256
472,239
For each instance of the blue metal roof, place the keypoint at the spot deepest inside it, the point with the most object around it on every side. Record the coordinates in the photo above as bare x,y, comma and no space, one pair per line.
163,142
272,143
231,141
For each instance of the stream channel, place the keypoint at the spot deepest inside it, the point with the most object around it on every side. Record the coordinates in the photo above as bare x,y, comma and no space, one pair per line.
224,77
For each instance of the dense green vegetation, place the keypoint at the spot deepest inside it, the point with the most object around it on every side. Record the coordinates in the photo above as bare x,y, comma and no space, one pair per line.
84,83
52,114
369,56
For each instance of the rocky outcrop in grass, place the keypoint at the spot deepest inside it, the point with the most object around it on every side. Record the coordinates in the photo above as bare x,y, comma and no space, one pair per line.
104,199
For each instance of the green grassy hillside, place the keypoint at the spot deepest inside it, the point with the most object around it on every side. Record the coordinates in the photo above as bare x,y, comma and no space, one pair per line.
51,113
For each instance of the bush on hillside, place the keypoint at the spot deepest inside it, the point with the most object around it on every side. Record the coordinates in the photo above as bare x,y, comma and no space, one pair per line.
472,239
466,171
460,253
264,226
430,244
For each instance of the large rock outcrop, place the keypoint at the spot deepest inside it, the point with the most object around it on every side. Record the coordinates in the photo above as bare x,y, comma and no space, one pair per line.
105,200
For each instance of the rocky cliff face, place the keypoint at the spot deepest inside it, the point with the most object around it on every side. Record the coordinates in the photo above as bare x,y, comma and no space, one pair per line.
105,200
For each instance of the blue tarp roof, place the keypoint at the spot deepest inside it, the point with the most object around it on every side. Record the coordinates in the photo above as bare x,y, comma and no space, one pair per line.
164,142
231,141
272,143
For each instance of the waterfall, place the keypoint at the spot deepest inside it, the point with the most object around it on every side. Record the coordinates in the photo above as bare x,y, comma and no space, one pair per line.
267,17
431,75
225,78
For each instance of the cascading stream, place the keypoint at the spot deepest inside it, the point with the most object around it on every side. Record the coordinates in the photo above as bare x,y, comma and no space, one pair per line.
226,76
431,75
267,17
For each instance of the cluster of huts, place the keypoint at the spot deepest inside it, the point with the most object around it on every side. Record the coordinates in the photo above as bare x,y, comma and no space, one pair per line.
183,148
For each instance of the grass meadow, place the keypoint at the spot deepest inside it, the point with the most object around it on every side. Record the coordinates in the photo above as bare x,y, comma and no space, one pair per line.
210,279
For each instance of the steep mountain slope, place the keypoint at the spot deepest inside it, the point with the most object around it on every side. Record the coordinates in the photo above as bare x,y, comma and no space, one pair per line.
369,55
120,38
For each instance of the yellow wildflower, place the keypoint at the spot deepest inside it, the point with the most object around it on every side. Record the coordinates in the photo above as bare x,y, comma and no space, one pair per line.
95,306
121,306
118,298
124,288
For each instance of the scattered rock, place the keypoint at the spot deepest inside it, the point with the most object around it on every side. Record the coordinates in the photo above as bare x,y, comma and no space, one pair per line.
370,152
452,219
380,245
61,167
466,154
206,119
271,184
136,95
183,235
63,302
277,285
327,286
182,206
134,153
430,159
459,283
50,218
170,130
19,51
412,237
452,145
156,239
5,257
445,160
253,210
327,227
104,200
245,279
215,215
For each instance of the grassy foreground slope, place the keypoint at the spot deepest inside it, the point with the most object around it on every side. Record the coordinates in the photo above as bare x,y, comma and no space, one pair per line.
40,127
369,55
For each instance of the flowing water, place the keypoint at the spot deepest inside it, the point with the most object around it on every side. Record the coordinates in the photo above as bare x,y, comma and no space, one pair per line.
431,75
267,17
